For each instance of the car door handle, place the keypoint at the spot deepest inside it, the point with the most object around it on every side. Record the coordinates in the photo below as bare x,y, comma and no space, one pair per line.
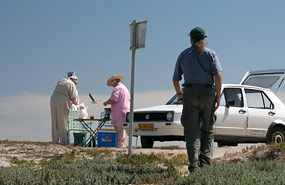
242,111
271,113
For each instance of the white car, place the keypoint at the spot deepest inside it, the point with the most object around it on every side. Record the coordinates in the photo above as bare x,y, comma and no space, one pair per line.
249,113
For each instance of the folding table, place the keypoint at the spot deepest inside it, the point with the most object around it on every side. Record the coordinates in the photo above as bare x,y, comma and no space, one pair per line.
93,134
75,126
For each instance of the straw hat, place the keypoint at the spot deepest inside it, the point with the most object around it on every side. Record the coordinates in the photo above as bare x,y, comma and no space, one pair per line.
114,77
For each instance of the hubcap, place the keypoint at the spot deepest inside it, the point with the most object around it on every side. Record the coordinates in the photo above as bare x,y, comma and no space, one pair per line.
278,138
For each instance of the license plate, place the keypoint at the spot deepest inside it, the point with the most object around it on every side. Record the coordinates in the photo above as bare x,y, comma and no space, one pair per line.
146,126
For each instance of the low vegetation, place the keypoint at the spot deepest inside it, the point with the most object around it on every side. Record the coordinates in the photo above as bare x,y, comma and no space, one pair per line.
8,142
95,171
255,172
264,165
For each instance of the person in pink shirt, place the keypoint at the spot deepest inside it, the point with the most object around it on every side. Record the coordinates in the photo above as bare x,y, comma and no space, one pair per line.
120,105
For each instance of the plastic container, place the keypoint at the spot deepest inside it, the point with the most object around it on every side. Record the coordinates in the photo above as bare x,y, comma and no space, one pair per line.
107,139
107,113
79,139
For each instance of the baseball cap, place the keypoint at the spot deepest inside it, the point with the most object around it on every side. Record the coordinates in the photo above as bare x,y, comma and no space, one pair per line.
72,75
197,33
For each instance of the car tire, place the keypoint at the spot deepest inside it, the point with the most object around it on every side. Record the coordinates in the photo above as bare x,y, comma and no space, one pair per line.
277,135
221,144
147,142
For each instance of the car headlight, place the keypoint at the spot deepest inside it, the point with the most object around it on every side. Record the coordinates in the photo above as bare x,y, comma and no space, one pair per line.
169,116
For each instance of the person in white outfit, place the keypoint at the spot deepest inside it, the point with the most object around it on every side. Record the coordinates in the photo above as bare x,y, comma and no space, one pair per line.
64,95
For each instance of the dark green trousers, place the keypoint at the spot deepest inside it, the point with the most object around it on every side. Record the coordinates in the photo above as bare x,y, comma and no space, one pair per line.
197,120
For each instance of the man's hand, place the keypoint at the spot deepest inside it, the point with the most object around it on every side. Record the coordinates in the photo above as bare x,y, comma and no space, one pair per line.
218,82
179,96
217,103
177,88
105,103
74,101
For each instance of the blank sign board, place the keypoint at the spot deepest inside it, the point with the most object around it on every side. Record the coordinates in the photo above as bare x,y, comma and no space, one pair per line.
140,31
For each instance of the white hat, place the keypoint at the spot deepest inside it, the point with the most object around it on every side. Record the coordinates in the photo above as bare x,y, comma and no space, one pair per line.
72,75
109,81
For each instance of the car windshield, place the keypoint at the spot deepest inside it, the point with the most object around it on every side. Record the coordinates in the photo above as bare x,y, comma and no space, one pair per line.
173,101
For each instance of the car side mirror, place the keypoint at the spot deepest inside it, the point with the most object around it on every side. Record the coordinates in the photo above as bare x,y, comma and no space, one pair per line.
230,103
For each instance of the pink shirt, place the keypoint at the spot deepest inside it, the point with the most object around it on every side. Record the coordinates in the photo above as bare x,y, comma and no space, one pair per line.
122,98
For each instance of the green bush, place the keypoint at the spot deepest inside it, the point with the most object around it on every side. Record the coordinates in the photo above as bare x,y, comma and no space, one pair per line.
144,169
257,172
103,171
97,171
136,160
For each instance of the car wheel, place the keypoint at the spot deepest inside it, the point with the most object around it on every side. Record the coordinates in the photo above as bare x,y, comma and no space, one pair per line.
147,142
221,144
277,135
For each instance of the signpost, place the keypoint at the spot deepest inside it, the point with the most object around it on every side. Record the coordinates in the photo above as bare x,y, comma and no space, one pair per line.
138,35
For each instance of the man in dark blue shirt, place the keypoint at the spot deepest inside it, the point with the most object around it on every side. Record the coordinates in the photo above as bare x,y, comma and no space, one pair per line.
201,70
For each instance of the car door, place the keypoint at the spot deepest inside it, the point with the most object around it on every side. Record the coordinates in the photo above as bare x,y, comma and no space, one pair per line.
232,115
261,112
271,79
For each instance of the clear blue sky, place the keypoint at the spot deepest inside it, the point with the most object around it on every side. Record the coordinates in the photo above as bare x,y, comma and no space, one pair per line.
40,41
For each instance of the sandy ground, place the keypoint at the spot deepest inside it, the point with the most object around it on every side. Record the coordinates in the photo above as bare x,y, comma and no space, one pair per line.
36,152
218,152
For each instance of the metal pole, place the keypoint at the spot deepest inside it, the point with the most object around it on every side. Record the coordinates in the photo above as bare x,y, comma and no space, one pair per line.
132,87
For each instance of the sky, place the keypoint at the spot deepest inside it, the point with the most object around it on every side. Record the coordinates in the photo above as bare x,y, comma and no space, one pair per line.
40,41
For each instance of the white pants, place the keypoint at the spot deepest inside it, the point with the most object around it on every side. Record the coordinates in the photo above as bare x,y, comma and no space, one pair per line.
59,117
121,134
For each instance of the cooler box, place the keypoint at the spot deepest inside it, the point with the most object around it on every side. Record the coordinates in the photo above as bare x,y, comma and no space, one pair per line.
79,139
107,138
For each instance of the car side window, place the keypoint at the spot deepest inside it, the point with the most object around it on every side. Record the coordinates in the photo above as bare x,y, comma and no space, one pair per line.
234,94
223,101
258,99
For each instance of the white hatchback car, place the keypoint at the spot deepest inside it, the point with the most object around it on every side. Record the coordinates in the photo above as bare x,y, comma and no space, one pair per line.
249,113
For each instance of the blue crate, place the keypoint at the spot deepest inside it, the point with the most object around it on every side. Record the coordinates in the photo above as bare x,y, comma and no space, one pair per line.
107,139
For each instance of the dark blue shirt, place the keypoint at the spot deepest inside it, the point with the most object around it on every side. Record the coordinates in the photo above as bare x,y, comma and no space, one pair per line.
195,72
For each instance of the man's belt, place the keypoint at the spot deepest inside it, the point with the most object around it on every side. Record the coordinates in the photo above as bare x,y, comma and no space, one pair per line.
197,85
